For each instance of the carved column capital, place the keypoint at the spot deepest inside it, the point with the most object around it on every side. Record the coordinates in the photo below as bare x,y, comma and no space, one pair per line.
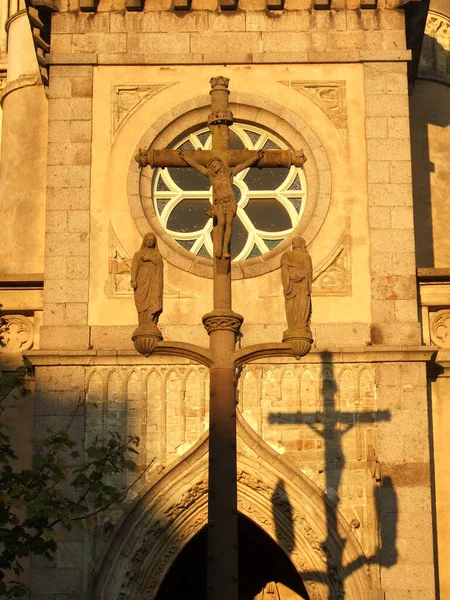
219,83
220,320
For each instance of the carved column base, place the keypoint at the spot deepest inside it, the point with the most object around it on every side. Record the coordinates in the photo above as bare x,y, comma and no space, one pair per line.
146,338
299,340
222,319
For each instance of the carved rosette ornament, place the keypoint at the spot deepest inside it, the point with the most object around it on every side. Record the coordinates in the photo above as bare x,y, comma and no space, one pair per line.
223,320
17,335
440,328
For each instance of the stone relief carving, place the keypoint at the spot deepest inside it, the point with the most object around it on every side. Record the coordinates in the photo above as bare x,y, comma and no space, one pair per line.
330,96
17,334
435,54
119,272
159,528
440,328
333,275
165,405
127,98
196,525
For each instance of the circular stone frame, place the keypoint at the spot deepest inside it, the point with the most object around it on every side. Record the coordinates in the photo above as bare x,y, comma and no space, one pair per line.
191,115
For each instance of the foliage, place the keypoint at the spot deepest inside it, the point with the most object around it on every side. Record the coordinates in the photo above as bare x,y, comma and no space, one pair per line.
60,489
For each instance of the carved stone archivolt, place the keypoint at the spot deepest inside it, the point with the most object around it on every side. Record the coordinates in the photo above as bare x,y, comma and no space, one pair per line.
440,328
330,96
17,335
173,509
127,98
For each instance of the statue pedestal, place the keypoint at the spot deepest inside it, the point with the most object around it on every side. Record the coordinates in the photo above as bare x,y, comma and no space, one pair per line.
299,340
146,337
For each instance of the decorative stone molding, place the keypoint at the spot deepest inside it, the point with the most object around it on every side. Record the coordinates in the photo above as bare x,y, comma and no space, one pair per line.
17,334
127,98
19,83
329,96
225,320
139,400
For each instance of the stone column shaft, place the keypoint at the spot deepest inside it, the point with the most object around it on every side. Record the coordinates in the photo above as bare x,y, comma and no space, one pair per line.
24,155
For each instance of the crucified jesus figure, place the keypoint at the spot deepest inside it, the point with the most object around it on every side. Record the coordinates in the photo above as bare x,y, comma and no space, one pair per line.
224,205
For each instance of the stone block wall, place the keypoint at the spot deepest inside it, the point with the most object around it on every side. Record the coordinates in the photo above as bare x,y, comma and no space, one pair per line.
67,249
394,294
207,35
357,430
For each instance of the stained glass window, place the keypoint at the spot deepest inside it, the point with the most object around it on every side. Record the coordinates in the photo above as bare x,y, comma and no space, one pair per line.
270,201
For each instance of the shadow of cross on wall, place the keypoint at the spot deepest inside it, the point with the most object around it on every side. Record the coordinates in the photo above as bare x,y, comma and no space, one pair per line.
331,425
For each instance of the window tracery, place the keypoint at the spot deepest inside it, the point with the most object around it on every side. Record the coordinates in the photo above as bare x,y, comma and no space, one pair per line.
270,201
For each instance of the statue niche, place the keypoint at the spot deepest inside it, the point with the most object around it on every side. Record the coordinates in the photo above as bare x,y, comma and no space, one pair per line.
296,276
147,281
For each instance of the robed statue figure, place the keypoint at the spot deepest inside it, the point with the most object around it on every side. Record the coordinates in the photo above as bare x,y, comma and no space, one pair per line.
296,276
147,281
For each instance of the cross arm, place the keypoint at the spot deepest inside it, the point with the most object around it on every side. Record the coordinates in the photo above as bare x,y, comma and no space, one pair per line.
172,158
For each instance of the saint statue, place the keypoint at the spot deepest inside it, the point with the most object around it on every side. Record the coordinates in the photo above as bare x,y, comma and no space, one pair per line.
224,205
147,281
296,276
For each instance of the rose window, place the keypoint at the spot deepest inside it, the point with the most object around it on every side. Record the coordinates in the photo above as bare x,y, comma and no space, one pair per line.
270,201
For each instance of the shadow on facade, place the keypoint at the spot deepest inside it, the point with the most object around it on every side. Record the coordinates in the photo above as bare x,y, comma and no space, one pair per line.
429,106
331,425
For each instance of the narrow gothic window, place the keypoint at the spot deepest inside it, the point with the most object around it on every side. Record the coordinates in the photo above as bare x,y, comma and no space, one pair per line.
270,201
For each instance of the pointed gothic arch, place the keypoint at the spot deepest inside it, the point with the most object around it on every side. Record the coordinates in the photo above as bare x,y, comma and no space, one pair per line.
173,508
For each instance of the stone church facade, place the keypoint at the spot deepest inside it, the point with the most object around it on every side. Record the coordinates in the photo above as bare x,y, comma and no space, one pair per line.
342,464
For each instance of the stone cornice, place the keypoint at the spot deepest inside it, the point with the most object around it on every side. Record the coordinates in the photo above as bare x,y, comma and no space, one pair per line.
191,352
14,17
351,56
364,354
19,83
260,352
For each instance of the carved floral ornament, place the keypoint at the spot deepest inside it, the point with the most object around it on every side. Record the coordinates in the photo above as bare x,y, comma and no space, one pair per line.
17,334
440,328
127,98
329,96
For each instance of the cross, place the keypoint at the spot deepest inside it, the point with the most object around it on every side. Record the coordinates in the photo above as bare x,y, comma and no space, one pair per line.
220,164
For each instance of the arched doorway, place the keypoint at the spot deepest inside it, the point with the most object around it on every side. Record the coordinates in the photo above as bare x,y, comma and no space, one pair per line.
275,497
261,561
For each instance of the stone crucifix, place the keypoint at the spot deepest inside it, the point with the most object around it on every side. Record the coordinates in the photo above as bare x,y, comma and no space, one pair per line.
220,164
